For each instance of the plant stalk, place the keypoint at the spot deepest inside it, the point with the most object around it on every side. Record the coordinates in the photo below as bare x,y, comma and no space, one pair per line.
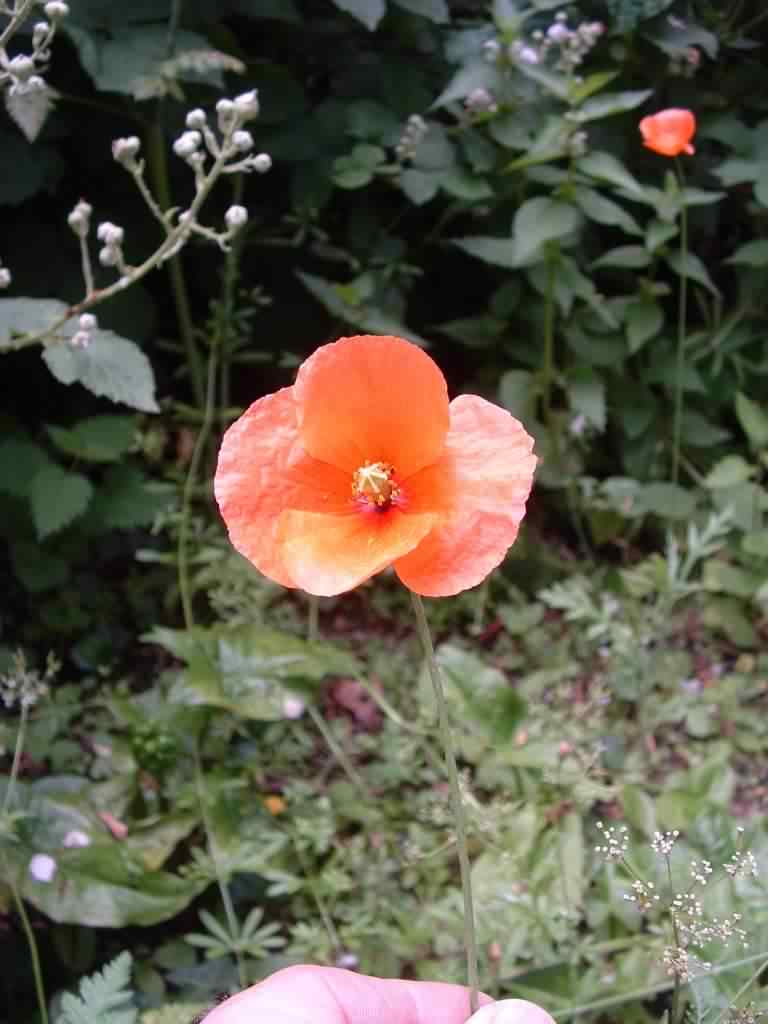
470,940
677,424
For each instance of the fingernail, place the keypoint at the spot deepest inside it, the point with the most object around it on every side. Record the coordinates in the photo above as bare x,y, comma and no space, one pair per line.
511,1011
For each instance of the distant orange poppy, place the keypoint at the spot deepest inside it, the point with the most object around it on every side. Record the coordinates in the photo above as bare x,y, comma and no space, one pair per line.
669,132
363,464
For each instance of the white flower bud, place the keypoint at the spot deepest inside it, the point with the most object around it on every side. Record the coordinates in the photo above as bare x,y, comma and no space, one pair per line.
187,144
293,707
558,32
80,218
225,110
242,140
528,55
82,339
110,234
5,277
42,867
40,33
56,10
196,118
75,838
262,163
124,150
247,104
87,322
21,68
108,256
235,217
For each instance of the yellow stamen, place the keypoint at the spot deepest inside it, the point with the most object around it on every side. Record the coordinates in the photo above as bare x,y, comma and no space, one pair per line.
373,482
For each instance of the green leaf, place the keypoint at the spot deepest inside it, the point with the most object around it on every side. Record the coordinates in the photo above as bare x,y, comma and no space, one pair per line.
631,256
125,501
477,74
20,460
103,996
668,501
247,669
368,12
57,498
28,316
658,233
694,269
97,439
605,211
753,419
592,83
605,167
435,10
500,252
586,396
541,220
419,186
699,432
111,366
755,543
639,809
610,103
722,578
350,175
517,393
751,254
462,184
643,319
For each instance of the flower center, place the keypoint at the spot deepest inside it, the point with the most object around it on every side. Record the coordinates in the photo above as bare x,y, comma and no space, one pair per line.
373,484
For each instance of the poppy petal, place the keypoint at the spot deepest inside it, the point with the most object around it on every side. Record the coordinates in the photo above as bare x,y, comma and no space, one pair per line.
262,471
488,468
372,399
329,554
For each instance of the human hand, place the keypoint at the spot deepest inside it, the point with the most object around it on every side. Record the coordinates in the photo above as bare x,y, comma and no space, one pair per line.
328,995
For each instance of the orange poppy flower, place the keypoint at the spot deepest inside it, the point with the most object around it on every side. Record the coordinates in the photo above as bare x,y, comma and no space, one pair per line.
363,464
669,132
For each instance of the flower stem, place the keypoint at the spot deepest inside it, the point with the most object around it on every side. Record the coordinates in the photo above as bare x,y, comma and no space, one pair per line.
681,324
470,941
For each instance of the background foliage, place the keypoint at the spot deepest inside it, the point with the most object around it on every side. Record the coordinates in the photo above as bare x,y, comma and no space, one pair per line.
459,174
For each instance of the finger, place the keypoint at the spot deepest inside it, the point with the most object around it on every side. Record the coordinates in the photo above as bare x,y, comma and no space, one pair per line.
328,995
511,1011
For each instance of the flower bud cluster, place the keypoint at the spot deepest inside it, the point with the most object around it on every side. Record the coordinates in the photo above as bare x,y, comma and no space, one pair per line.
82,338
111,236
569,45
21,73
480,101
236,143
413,134
24,686
616,841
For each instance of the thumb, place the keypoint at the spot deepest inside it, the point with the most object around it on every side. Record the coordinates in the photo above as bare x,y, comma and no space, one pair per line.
511,1011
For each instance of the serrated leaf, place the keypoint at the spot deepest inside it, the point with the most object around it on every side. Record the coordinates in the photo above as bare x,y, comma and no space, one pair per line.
96,439
435,10
111,366
28,316
103,996
728,472
669,501
367,12
57,497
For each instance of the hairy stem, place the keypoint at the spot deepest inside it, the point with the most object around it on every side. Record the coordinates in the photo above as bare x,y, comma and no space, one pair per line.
677,425
470,941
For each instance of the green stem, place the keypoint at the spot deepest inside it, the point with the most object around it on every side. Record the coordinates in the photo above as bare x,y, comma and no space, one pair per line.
313,620
681,325
470,940
32,945
158,164
189,484
19,903
548,357
338,751
226,899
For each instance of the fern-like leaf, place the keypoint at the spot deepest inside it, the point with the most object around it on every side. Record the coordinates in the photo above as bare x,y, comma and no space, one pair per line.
105,997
